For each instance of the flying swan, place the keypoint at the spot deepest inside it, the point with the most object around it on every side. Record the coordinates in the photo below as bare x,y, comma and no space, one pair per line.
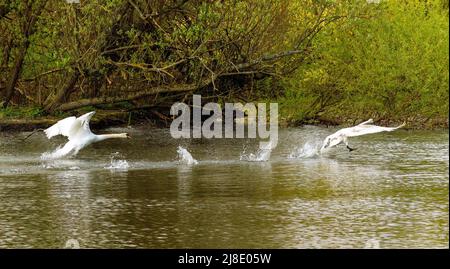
79,134
360,129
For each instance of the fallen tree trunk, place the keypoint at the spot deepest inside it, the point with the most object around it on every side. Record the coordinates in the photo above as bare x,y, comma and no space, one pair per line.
236,70
134,96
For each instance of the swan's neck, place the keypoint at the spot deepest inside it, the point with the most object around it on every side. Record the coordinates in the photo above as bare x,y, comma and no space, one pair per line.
107,136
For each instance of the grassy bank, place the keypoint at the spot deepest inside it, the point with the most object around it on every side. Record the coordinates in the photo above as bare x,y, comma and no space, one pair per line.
22,120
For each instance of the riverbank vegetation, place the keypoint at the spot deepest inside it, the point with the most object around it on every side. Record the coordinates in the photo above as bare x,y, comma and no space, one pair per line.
322,61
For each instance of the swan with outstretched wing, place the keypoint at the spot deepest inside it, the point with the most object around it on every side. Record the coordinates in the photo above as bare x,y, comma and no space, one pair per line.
363,128
79,134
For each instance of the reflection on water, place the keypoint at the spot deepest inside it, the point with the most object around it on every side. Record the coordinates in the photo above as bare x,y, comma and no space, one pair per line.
390,193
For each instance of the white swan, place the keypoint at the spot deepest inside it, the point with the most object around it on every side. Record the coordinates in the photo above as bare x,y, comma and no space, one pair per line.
360,129
79,134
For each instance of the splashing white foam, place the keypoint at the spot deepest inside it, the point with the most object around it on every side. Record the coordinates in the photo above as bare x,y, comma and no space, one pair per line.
117,164
184,157
308,150
46,156
51,155
60,164
261,155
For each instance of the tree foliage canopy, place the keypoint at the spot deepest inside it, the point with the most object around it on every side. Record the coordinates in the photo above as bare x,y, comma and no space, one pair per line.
316,57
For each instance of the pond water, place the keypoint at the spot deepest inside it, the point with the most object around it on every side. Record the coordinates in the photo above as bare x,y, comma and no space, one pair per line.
153,191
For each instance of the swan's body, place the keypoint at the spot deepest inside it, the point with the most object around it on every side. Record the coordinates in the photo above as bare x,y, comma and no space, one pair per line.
79,134
364,128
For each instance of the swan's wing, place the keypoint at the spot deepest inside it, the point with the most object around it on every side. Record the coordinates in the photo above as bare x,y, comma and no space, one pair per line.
85,119
366,122
60,152
66,127
335,139
332,140
369,129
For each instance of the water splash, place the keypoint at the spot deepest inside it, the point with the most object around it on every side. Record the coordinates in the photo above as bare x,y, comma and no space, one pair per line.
50,155
116,164
261,155
65,151
46,156
61,164
184,157
308,150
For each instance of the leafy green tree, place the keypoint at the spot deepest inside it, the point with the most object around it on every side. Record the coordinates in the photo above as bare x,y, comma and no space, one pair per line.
391,65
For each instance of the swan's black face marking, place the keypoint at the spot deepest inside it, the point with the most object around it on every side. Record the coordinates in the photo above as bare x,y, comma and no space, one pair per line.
128,136
350,149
